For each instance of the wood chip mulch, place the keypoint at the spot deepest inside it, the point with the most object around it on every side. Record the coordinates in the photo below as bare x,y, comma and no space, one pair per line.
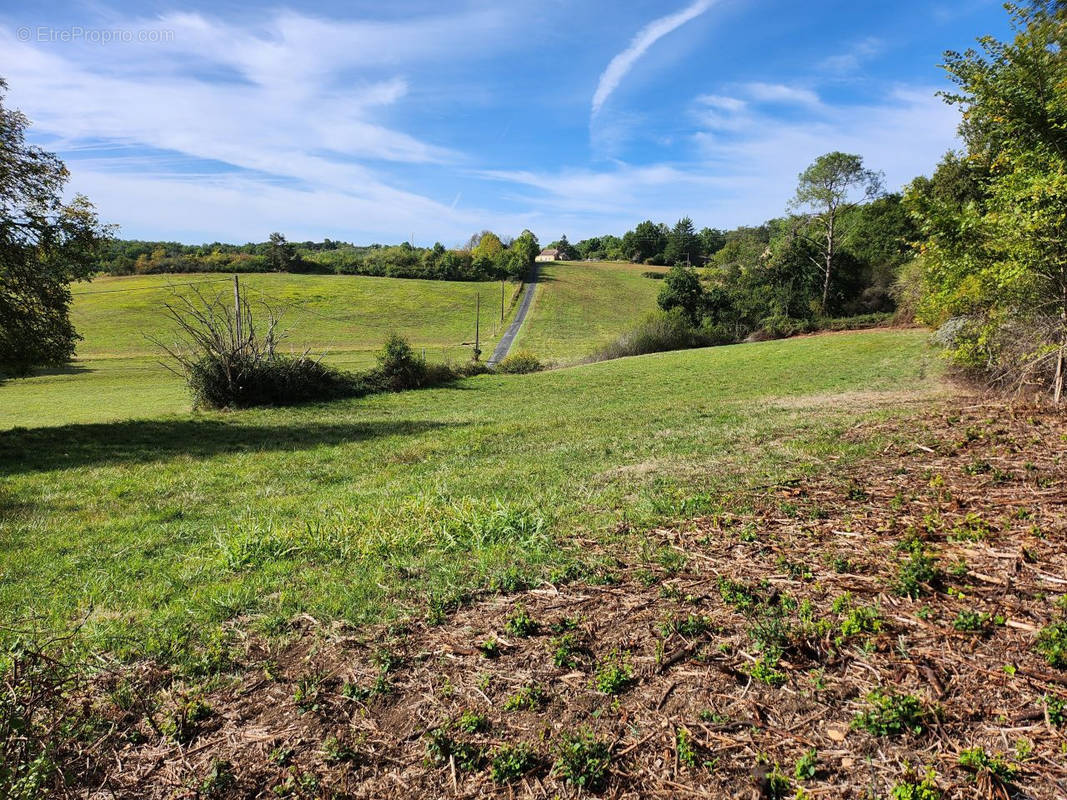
736,645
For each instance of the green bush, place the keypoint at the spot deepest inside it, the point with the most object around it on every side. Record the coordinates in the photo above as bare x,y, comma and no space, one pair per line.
511,762
926,789
1052,643
468,369
519,363
657,333
244,382
781,327
892,714
582,759
856,323
398,366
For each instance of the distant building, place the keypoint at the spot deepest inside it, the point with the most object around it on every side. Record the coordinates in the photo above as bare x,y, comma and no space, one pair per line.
549,254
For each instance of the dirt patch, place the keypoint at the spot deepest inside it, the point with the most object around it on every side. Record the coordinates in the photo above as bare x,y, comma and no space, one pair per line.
836,637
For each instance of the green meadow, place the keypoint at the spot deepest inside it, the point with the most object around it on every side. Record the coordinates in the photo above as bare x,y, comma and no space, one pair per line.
155,529
580,306
345,318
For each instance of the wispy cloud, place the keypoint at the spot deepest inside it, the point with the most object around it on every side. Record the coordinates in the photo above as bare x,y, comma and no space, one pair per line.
780,93
623,62
746,161
224,117
854,57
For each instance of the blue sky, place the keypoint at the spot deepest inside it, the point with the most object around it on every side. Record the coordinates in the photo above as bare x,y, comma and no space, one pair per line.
385,121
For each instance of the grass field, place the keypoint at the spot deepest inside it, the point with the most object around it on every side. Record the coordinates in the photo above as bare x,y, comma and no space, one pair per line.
157,530
581,306
117,374
346,316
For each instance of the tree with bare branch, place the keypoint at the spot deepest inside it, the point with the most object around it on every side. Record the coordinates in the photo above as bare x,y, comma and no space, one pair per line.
828,189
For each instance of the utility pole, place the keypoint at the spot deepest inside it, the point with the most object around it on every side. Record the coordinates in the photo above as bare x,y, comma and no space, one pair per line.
501,301
237,308
477,322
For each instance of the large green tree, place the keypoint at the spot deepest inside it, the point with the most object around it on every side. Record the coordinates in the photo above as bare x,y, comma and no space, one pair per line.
827,190
683,244
45,243
645,243
995,219
681,289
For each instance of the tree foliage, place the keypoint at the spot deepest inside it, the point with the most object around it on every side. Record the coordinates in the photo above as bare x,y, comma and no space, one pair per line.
683,244
994,219
45,243
834,184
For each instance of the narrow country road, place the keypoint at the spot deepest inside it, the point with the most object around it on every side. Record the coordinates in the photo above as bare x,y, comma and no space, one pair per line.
504,345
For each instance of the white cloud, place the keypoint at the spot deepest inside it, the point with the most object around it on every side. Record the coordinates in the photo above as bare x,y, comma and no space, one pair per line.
746,165
289,112
780,93
623,62
721,102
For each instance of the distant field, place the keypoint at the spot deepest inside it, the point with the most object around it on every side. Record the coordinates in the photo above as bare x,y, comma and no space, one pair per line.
580,306
117,373
347,316
161,528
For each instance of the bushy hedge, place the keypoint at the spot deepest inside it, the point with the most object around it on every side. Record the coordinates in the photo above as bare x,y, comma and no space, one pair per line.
519,363
656,333
280,380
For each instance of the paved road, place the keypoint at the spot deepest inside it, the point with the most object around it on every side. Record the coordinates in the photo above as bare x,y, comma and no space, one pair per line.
504,345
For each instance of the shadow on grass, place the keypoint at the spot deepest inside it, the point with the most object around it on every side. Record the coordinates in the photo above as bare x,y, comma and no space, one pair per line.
139,441
40,372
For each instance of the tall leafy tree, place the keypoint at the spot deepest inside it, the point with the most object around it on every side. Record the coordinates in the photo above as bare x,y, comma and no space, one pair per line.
833,185
281,255
566,249
683,244
522,254
712,240
45,243
995,221
645,243
681,289
488,247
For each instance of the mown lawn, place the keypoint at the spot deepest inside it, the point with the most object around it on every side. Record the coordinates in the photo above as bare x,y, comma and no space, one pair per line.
156,530
582,306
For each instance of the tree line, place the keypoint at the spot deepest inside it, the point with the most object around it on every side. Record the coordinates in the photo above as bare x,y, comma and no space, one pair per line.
485,257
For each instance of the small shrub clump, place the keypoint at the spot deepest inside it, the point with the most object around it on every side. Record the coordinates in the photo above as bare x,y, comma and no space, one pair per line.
228,362
909,789
441,748
614,675
582,760
528,698
521,362
247,381
917,573
978,761
521,624
656,333
1052,643
511,762
892,714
